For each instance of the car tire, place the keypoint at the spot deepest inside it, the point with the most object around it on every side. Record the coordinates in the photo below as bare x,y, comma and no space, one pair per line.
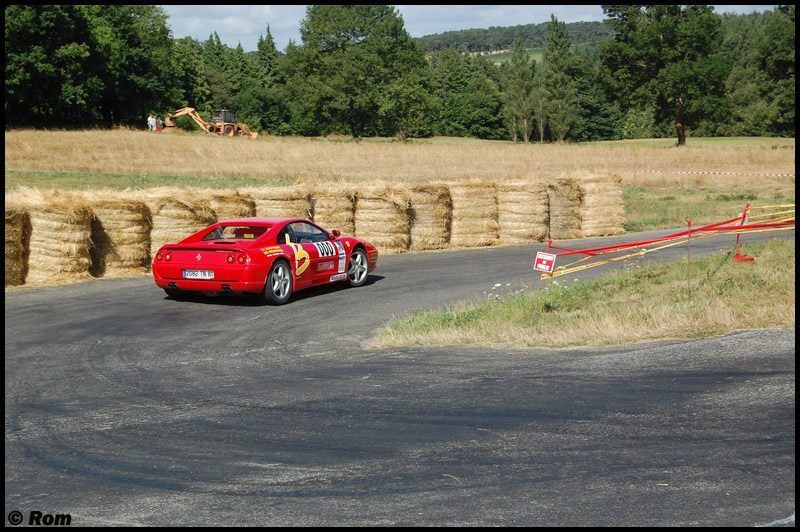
358,269
278,286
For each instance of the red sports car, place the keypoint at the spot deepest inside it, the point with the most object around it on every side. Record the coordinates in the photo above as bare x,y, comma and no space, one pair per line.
270,257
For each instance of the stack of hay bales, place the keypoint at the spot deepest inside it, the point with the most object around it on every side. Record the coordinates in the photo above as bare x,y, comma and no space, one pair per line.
281,202
175,214
475,215
431,216
334,207
586,206
382,217
523,212
16,243
564,196
229,204
602,211
60,235
120,233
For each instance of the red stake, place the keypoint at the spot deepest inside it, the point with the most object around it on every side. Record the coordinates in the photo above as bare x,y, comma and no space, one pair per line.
689,261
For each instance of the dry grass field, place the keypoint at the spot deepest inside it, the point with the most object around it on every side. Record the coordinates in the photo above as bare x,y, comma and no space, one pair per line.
50,157
658,192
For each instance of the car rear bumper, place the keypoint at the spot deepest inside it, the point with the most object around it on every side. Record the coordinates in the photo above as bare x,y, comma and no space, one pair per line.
243,279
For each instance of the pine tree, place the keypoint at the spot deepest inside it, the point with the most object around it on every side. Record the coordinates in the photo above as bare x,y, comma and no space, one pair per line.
559,87
519,86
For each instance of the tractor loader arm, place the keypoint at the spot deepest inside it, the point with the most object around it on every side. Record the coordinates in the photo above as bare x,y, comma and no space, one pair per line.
168,121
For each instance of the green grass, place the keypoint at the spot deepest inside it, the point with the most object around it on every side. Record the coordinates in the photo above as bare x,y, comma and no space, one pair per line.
83,181
641,303
655,208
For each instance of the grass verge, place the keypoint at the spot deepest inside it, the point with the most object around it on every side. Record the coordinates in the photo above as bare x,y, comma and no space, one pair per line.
646,303
666,208
90,181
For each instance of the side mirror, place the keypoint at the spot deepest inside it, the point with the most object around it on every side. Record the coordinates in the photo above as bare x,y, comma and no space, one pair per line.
336,233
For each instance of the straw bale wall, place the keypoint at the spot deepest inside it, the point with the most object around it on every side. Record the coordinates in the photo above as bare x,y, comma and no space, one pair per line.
382,217
334,207
175,215
230,204
60,235
564,198
56,235
523,212
120,234
602,211
431,216
475,214
281,202
16,243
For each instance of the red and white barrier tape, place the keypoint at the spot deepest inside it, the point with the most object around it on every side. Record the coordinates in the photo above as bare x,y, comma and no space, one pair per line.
717,173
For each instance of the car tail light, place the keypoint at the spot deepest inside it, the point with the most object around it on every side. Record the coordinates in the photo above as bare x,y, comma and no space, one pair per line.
230,258
240,259
168,257
159,256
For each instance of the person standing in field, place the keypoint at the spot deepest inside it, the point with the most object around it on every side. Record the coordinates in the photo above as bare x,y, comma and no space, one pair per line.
150,122
159,124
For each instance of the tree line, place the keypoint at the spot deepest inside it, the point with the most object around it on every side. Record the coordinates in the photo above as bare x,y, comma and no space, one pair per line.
666,71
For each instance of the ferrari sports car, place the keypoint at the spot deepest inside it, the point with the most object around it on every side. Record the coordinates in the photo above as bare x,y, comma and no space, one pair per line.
269,257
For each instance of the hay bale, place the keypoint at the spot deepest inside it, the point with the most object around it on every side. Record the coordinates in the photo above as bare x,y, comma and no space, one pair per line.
174,214
564,197
382,217
60,235
431,216
334,207
120,234
523,212
230,204
474,214
281,202
16,244
602,211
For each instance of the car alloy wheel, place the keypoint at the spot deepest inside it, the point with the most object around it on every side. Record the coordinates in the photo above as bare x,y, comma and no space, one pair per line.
357,273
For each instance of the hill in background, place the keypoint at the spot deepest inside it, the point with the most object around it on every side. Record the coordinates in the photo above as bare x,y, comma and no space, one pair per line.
498,38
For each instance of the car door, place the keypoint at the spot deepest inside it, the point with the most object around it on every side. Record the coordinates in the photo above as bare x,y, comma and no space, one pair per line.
328,258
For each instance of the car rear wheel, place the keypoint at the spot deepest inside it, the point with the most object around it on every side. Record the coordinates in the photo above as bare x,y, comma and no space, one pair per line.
278,287
358,270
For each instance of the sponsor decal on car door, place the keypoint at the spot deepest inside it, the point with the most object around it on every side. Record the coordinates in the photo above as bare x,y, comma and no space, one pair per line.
327,257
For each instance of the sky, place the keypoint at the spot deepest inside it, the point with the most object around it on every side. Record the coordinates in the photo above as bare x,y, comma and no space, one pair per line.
244,24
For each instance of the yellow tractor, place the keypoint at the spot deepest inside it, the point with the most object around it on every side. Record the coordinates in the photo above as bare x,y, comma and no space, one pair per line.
223,123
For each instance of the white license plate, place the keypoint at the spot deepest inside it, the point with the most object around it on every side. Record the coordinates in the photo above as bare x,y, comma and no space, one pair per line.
198,274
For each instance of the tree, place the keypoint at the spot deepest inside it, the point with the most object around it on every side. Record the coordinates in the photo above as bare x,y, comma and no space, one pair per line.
539,104
667,57
267,58
86,64
349,55
519,86
407,106
559,88
776,59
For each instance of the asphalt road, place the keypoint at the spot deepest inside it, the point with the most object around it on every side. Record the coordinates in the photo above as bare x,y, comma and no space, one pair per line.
125,407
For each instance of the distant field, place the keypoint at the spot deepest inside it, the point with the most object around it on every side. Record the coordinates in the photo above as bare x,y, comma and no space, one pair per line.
657,194
535,53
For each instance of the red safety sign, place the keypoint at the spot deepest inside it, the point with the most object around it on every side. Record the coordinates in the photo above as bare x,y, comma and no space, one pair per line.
544,262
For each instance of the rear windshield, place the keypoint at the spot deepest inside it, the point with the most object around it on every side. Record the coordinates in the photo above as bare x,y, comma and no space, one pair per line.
237,232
